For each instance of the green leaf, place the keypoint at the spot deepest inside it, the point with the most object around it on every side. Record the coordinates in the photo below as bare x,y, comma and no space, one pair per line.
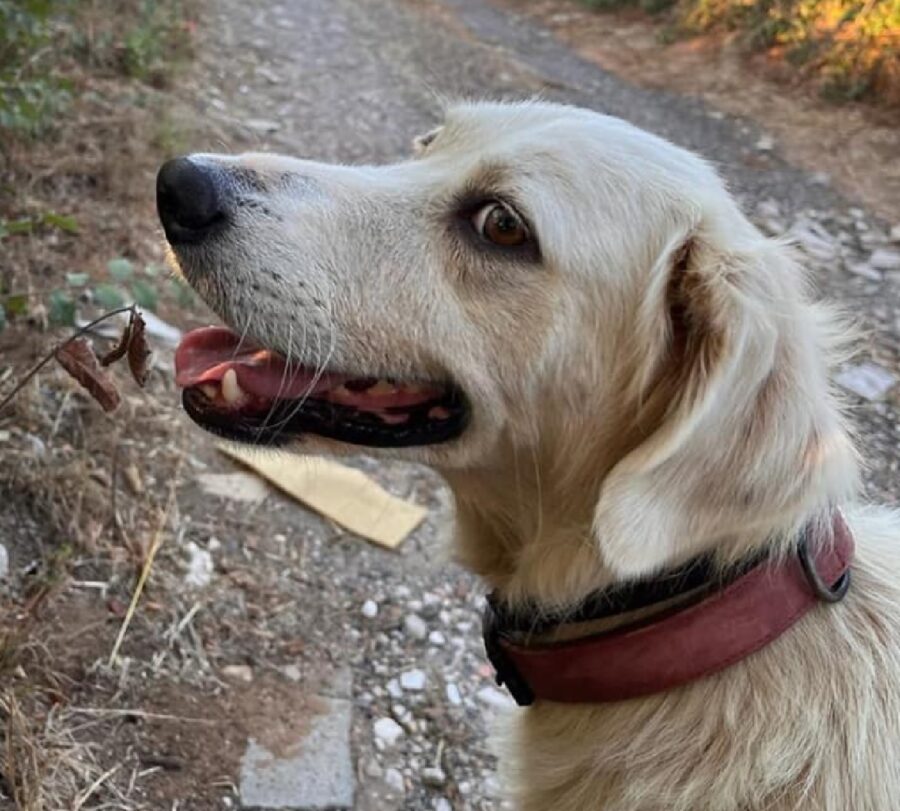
17,305
61,221
62,309
144,294
25,225
108,296
120,269
77,279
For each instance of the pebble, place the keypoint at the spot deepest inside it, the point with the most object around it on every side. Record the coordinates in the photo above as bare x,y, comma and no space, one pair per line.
395,781
200,566
884,259
242,673
442,804
895,233
388,731
370,609
4,562
292,672
394,689
413,680
262,124
415,626
437,639
868,380
453,695
494,698
434,777
766,143
865,270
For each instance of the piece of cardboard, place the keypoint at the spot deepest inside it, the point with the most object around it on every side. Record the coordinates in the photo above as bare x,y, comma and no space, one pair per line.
343,494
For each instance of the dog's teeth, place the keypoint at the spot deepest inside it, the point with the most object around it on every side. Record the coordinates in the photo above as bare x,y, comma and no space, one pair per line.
382,388
231,391
209,391
439,413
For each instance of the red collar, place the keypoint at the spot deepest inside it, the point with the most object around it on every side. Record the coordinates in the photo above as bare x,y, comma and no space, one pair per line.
712,632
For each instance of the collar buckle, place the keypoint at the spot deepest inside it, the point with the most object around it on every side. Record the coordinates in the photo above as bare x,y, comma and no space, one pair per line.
506,672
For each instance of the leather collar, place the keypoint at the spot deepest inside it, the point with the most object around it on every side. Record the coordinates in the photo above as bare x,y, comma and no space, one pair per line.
717,625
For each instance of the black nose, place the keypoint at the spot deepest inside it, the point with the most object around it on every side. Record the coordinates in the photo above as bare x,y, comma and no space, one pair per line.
188,200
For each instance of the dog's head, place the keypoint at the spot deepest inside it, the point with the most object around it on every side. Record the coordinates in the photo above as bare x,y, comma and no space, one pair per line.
539,284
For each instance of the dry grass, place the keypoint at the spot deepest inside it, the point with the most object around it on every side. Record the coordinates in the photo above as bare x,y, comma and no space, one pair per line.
80,494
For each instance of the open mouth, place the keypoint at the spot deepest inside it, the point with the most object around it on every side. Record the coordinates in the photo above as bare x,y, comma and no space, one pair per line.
247,393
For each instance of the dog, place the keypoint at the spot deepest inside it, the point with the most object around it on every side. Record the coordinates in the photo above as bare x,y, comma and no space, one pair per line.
624,382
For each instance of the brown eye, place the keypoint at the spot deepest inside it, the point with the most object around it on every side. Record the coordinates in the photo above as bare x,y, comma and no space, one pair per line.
501,225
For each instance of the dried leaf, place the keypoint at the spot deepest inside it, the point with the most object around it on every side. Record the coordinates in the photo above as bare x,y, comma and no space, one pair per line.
119,350
78,359
138,351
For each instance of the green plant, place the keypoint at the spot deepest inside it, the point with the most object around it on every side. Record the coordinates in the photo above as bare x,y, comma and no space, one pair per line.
125,284
31,91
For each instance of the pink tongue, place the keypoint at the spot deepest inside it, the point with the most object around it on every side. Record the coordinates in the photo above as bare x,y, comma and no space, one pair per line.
204,355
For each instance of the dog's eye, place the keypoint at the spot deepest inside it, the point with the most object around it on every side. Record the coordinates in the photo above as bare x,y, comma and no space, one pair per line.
498,223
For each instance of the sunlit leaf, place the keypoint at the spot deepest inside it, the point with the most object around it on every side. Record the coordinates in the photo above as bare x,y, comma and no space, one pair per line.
17,305
62,221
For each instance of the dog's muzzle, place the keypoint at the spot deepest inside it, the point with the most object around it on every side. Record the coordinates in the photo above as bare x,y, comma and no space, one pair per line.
190,200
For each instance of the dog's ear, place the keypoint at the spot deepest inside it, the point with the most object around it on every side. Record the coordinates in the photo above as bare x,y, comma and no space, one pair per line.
725,372
422,142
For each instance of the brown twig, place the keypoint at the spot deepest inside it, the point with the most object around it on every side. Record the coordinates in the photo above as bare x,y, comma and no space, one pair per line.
52,353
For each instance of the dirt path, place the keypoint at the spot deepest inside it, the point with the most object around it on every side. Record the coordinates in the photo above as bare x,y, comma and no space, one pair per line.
298,617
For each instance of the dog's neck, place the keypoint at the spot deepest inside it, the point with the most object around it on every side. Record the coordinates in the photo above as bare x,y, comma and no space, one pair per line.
531,534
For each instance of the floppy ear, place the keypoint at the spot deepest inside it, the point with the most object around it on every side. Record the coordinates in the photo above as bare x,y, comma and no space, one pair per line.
729,441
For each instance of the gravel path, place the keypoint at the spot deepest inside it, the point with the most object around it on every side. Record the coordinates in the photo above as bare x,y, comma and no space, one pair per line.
354,80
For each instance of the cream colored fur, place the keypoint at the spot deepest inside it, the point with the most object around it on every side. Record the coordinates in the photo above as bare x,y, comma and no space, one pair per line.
655,386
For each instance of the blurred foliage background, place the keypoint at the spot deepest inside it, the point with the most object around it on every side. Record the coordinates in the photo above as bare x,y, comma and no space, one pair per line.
849,48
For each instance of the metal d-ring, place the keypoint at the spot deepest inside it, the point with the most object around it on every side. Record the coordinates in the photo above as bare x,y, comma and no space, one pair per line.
826,593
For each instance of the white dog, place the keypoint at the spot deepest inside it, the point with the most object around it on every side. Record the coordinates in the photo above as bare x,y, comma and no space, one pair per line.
624,382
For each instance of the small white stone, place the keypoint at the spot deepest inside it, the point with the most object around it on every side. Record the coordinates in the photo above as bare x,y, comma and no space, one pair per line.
442,804
434,777
4,562
413,680
388,731
292,672
867,380
394,689
865,270
394,780
895,233
453,695
415,626
766,143
200,567
884,259
242,673
261,124
494,698
370,609
437,639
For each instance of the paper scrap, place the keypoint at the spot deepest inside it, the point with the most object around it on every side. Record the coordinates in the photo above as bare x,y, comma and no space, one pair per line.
343,494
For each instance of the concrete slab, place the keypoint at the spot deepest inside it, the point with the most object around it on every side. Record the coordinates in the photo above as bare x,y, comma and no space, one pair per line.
314,773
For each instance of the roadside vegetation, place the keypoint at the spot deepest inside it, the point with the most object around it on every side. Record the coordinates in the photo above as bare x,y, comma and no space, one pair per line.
86,115
849,49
